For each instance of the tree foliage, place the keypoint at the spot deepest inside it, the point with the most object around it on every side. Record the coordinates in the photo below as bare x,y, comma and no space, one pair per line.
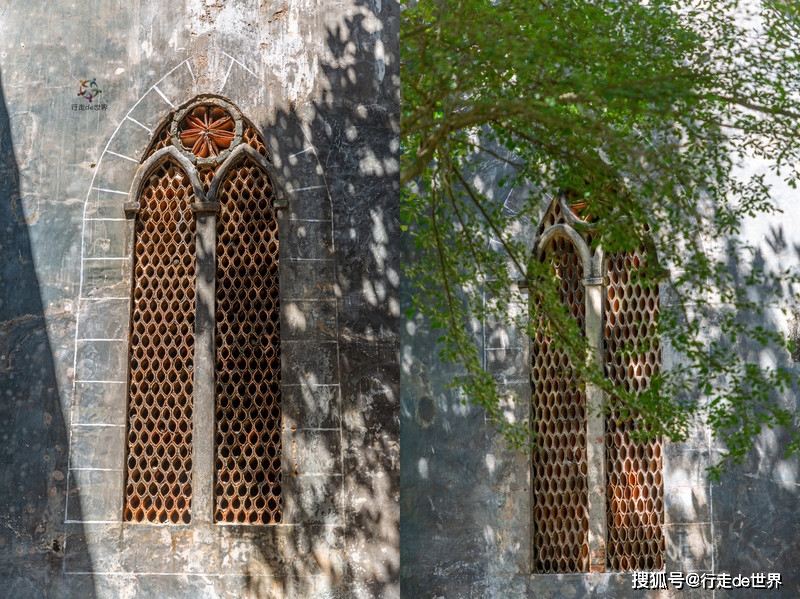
643,111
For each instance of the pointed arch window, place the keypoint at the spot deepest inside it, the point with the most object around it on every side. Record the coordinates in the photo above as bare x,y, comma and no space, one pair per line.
203,432
597,495
247,350
160,382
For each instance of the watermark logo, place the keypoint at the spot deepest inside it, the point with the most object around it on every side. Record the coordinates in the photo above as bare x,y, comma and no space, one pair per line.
89,89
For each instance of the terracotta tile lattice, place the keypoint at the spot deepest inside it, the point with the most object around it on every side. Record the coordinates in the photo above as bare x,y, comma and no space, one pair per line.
635,493
561,535
161,139
248,441
159,442
206,176
252,139
552,217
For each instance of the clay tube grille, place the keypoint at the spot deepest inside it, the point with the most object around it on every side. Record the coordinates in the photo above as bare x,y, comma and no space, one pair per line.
160,140
635,493
552,217
561,537
248,415
159,443
251,138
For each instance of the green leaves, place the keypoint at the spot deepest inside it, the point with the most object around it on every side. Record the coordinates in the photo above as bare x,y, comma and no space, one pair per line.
642,110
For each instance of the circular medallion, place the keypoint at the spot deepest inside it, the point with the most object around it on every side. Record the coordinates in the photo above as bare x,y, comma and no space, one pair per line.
206,131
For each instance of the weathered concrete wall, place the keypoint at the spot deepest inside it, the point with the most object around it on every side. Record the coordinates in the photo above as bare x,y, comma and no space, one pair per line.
320,81
466,498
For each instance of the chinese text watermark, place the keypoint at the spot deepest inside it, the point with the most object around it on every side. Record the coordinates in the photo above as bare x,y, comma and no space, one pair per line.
90,107
704,580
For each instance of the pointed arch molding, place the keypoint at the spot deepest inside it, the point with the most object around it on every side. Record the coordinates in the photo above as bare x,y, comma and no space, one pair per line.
303,209
157,159
567,224
592,264
242,151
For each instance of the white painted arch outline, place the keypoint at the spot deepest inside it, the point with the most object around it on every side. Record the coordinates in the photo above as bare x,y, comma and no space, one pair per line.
283,196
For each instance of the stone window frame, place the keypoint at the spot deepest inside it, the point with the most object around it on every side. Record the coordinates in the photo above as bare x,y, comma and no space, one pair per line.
205,207
98,541
595,284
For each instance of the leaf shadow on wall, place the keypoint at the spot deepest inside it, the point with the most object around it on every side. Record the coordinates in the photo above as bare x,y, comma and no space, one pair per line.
340,154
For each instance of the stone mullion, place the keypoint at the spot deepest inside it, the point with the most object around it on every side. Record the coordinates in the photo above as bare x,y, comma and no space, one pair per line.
204,392
131,209
595,428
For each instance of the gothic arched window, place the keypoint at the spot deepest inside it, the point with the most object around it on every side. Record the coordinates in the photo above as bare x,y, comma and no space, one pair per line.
203,436
161,357
597,495
248,361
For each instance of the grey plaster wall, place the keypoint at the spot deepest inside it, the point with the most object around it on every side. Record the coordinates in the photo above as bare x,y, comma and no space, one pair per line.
320,81
466,497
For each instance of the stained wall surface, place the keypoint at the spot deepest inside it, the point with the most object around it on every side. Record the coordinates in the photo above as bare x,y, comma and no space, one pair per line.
319,80
466,498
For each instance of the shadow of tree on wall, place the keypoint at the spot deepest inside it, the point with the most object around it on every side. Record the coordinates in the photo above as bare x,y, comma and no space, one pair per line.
367,253
449,494
341,501
755,505
455,468
34,442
